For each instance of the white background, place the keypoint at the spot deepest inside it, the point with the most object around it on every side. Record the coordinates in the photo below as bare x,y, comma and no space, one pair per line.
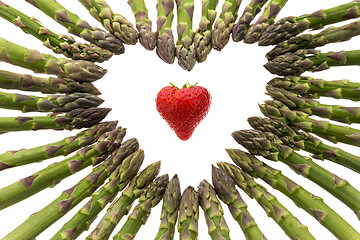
236,79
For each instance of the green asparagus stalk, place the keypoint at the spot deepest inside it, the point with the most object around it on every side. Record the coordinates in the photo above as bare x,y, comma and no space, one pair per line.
66,201
170,208
122,205
224,24
332,132
271,11
25,82
241,27
79,70
203,35
273,208
79,27
185,51
311,41
165,45
188,214
292,137
115,23
117,182
61,148
213,212
147,37
312,204
312,107
50,103
315,87
225,189
54,173
272,148
150,197
75,119
310,60
291,26
65,45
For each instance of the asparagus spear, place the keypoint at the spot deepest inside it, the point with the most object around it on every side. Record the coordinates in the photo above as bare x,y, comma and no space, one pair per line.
150,197
315,87
64,147
67,200
272,148
290,26
170,208
185,51
165,46
79,27
117,182
312,204
310,106
271,11
334,133
50,103
54,173
224,24
122,205
24,82
292,137
75,119
225,189
310,41
213,212
115,23
310,60
241,27
203,35
147,37
65,45
79,70
188,214
273,208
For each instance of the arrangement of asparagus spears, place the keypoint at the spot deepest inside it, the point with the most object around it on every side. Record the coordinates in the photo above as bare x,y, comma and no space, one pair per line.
165,43
214,30
121,206
255,31
59,44
273,208
240,29
56,172
185,51
115,23
203,35
78,70
314,205
25,82
291,26
51,103
311,41
75,119
214,214
224,23
225,188
79,27
310,60
116,181
147,37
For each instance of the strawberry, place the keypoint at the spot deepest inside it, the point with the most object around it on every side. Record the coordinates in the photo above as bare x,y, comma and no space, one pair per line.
183,108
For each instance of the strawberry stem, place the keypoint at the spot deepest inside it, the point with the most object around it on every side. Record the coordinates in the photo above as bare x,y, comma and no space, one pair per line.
193,85
173,85
186,85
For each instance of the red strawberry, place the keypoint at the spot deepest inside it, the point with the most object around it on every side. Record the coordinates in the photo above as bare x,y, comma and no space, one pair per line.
184,108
